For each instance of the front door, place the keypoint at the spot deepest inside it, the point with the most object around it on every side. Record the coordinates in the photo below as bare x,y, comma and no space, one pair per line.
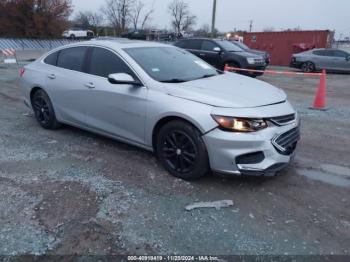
340,60
324,59
209,54
117,109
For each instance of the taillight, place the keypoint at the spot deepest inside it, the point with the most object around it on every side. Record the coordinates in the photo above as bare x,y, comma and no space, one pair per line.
21,71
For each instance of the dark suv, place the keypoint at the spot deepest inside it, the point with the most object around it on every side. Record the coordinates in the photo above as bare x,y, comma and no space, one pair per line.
221,52
246,48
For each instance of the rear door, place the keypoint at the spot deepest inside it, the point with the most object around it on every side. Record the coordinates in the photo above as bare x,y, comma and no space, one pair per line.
208,54
65,80
117,109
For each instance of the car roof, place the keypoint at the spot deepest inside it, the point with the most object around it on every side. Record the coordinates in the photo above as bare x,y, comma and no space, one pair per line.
119,43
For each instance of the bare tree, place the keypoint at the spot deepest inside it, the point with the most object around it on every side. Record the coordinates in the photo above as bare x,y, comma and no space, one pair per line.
182,18
135,16
89,20
82,19
139,20
96,20
118,13
147,17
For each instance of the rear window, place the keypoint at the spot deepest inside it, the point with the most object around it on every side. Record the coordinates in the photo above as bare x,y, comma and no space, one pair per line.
72,58
51,59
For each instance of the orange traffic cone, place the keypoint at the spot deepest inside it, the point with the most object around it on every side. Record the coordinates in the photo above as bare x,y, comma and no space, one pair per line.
226,68
321,95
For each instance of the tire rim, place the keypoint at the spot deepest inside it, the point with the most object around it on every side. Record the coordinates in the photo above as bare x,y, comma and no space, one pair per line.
42,111
179,152
308,67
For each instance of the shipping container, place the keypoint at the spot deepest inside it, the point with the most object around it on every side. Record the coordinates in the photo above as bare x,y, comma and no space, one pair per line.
282,45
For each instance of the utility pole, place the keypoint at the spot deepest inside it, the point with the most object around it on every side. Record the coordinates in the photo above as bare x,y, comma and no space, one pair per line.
251,26
213,20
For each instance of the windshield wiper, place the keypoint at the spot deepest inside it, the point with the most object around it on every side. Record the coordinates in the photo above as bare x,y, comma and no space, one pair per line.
174,80
207,76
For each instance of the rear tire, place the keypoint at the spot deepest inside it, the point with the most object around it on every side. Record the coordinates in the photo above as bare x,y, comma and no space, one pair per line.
181,150
308,67
43,110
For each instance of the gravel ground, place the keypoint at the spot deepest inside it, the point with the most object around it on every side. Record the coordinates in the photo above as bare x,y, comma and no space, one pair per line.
71,192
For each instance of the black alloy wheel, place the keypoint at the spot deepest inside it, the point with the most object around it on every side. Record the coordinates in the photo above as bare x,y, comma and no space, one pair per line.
179,151
308,67
182,151
43,110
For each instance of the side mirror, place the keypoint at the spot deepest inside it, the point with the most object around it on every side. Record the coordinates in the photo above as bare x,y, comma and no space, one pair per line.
217,49
123,79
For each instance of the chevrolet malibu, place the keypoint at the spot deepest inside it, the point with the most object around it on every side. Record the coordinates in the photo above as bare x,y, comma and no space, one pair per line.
194,117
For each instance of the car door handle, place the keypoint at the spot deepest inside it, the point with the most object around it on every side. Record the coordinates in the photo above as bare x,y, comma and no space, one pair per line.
90,85
52,76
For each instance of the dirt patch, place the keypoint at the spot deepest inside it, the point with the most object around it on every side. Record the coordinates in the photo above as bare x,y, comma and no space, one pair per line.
63,202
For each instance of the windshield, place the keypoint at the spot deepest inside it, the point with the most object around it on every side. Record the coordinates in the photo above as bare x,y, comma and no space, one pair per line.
170,64
241,45
228,46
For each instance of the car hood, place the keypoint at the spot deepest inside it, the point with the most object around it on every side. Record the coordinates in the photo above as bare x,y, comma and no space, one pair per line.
258,52
246,54
228,90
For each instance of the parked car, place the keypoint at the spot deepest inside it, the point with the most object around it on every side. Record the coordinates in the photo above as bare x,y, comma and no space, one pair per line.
136,35
219,53
318,59
78,33
246,48
194,117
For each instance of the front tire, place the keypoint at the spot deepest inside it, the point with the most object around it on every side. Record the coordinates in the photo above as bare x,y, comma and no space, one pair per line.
181,150
43,110
235,65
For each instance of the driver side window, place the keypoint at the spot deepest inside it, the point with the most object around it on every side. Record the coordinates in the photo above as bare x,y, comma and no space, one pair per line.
208,46
338,53
103,63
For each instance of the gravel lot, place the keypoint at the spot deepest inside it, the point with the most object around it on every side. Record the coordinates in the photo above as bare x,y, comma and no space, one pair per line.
72,192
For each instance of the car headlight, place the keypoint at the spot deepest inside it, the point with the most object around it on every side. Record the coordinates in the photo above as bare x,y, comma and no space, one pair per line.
235,124
251,60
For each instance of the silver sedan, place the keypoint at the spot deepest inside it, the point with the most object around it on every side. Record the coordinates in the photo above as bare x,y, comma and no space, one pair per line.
317,59
166,100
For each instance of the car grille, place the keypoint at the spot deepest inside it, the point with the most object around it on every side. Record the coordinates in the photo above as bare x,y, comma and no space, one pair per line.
259,61
287,142
283,120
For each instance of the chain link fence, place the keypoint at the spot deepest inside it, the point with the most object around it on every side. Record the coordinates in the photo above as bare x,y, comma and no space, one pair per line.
33,44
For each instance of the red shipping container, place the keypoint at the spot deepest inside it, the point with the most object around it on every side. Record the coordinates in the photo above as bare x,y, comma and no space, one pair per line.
282,45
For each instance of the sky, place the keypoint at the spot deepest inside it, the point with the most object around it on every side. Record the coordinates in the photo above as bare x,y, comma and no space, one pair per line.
231,14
